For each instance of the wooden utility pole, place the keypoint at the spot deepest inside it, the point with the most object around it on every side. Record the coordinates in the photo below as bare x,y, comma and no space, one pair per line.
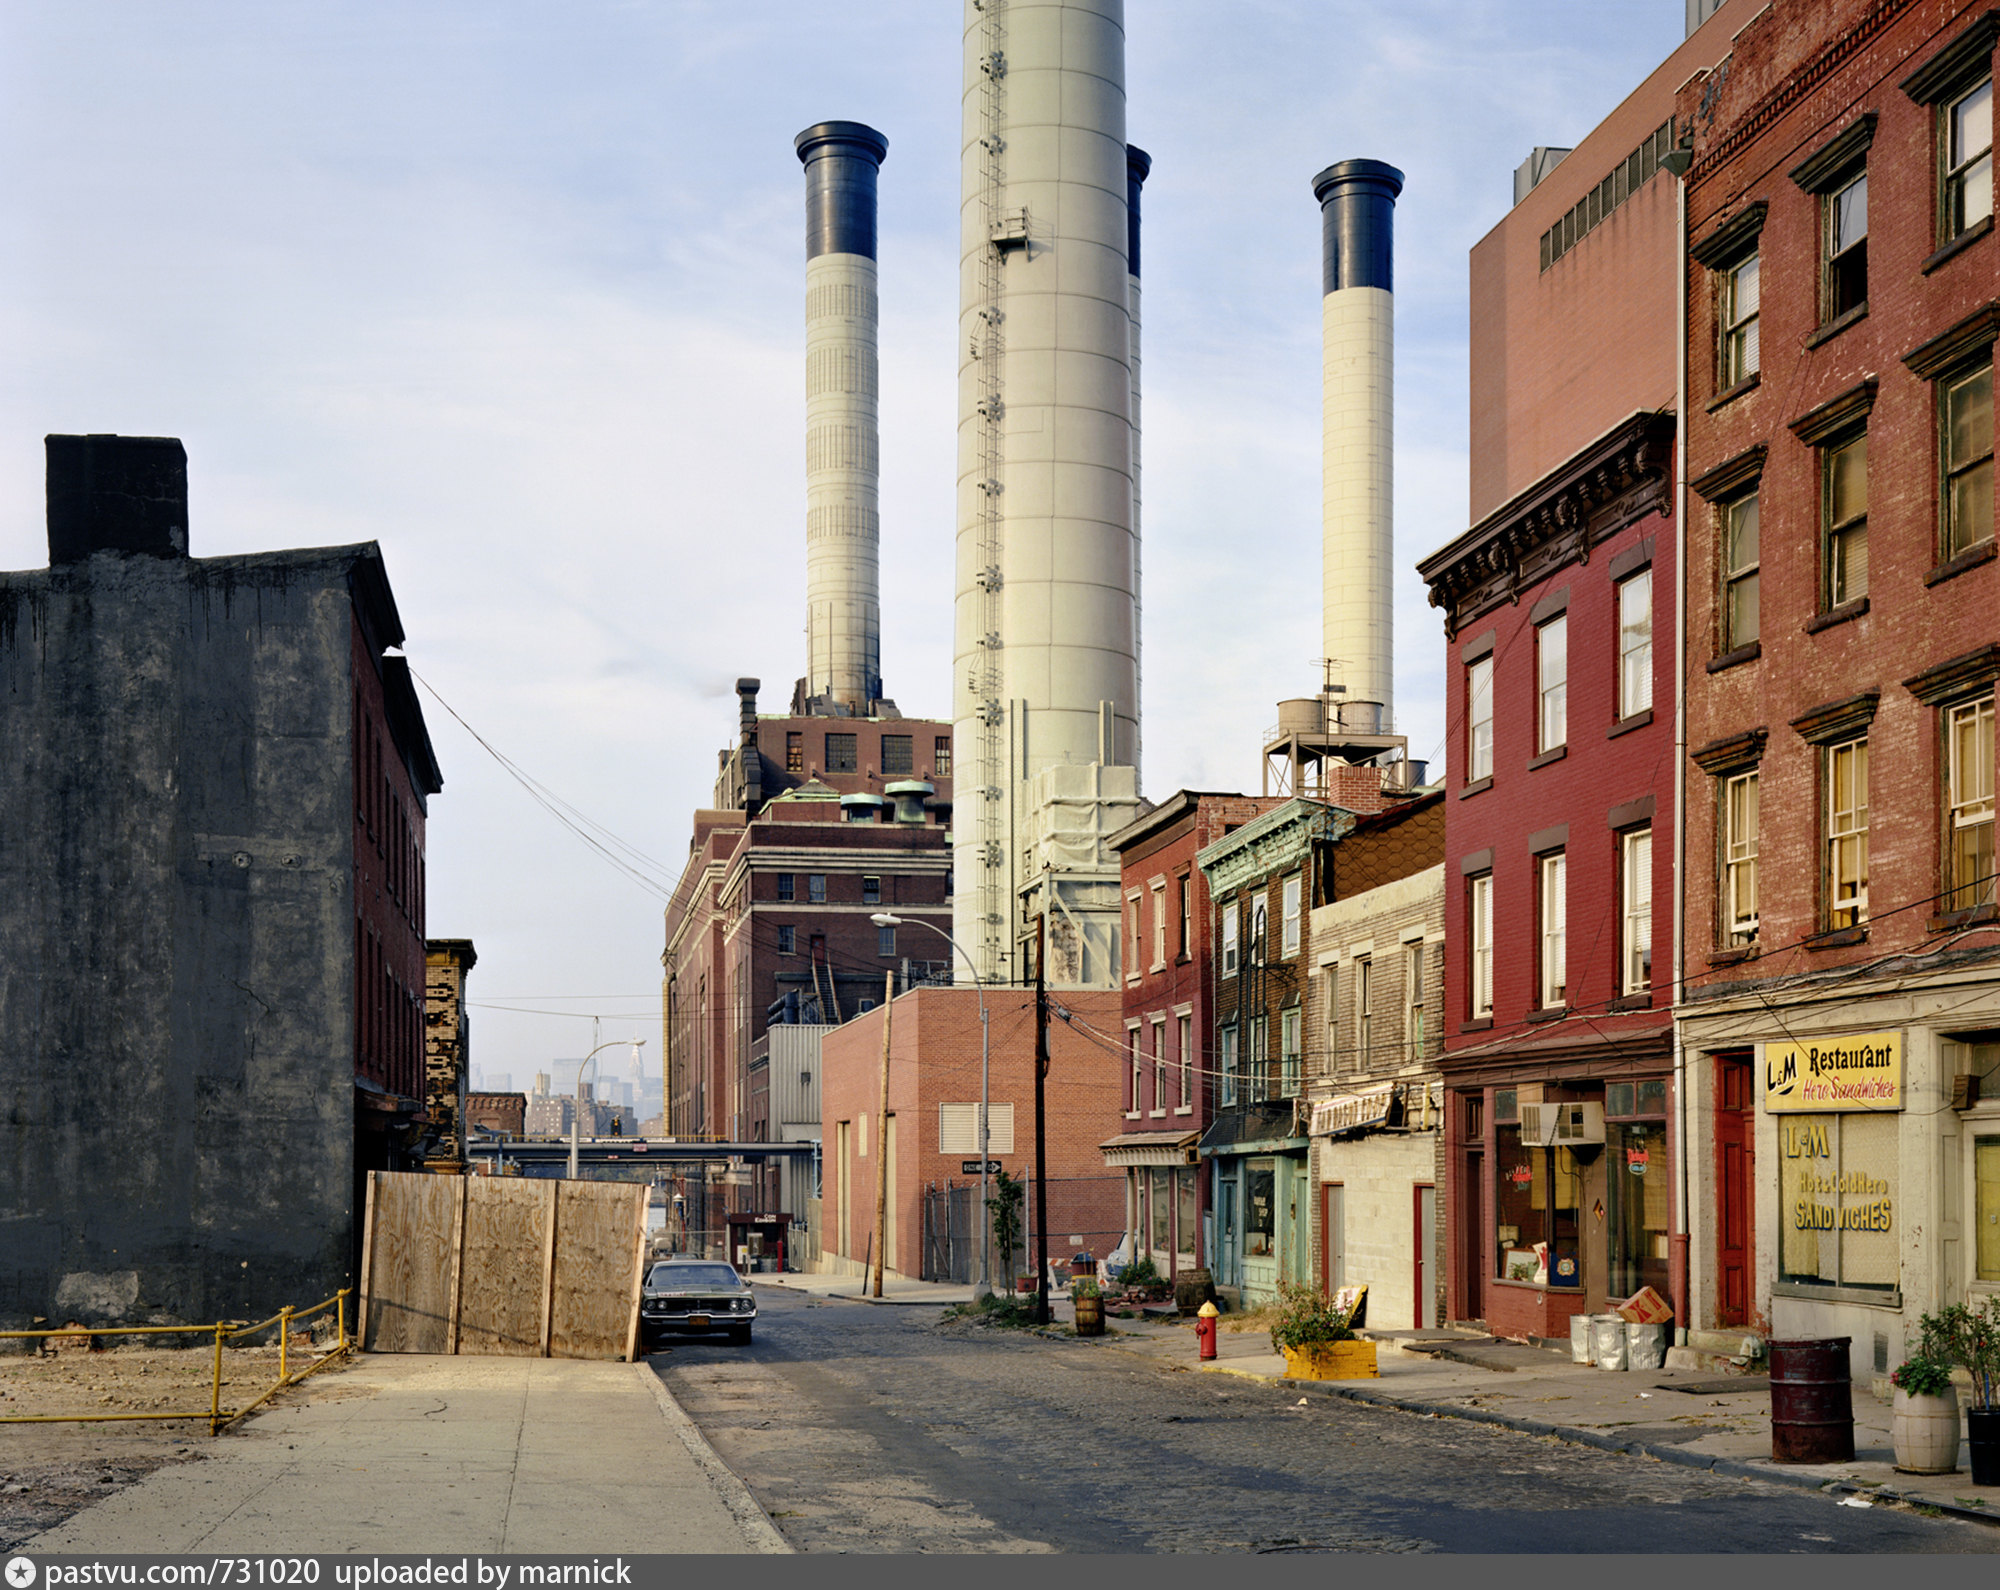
882,1134
1041,1135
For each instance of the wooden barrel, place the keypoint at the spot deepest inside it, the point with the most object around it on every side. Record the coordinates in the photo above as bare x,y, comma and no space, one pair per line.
1812,1402
1090,1316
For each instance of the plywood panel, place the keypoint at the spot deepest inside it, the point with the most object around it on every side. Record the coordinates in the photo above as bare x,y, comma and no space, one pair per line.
500,1290
598,1227
410,1263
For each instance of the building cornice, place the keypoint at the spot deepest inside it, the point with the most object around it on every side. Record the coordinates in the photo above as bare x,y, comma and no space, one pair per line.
1274,842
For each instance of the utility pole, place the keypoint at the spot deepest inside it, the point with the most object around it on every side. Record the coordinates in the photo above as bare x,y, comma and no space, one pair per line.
882,1133
1041,1135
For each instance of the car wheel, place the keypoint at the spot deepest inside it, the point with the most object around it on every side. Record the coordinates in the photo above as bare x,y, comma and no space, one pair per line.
740,1335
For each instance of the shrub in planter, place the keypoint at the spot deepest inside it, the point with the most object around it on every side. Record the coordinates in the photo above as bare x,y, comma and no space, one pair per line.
1317,1337
1925,1423
1970,1338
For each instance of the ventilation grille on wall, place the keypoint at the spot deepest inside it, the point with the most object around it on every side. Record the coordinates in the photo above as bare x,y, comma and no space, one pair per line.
1626,178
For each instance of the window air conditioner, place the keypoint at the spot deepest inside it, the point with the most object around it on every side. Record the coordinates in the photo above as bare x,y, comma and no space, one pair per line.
1562,1125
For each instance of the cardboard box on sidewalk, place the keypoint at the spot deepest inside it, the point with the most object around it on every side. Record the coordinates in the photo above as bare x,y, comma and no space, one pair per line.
1646,1307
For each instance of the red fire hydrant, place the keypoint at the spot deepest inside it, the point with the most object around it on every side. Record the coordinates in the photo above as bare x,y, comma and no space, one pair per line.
1204,1328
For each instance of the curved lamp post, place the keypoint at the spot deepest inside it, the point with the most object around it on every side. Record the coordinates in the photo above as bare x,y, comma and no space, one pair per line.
889,919
576,1111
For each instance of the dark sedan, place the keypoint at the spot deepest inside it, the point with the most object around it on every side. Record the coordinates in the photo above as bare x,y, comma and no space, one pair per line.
696,1295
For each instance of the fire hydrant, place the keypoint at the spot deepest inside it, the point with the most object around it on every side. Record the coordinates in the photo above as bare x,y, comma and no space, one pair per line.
1204,1328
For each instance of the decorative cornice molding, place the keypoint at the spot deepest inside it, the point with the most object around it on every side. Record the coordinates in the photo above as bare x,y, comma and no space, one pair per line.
1732,240
1824,170
1732,753
1958,65
1274,842
1836,414
1730,476
1956,676
1834,721
1976,333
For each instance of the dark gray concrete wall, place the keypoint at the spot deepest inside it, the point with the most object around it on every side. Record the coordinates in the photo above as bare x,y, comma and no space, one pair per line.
176,936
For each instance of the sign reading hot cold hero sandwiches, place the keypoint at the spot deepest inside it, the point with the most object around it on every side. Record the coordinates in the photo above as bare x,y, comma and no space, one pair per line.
1862,1071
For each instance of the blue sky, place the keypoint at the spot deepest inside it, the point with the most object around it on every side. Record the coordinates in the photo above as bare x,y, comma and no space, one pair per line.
516,290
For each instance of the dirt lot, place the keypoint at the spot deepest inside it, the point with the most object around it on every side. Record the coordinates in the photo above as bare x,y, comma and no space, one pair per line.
49,1471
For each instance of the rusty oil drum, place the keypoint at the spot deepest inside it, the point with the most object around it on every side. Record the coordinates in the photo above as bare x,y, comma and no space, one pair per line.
1812,1402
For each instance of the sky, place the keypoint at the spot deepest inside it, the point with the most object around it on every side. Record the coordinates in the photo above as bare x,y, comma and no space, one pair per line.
516,290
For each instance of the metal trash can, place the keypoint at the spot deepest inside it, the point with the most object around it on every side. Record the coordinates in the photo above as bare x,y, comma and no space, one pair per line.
1645,1345
1812,1401
1607,1341
1579,1339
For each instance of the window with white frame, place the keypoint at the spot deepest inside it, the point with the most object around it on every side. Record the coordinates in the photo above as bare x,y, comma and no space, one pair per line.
1968,839
1636,899
1364,1012
1554,904
1967,148
1739,859
1159,926
1330,1005
1134,943
1231,916
1292,897
1135,1101
1226,1064
1257,1057
1846,778
1184,1052
1635,644
1290,1057
1185,885
1479,720
1552,683
1414,983
1737,316
1480,903
1739,572
1159,1065
1965,429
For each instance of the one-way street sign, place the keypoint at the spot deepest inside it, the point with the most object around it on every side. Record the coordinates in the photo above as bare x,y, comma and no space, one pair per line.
971,1167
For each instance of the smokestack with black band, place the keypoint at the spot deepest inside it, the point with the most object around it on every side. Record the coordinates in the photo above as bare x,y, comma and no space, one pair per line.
1138,166
843,515
1357,201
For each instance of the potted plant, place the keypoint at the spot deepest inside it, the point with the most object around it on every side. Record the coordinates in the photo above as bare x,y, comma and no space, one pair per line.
1088,1301
1970,1338
1924,1426
1316,1337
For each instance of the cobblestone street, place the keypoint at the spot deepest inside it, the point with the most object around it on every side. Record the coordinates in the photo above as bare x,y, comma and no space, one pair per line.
883,1429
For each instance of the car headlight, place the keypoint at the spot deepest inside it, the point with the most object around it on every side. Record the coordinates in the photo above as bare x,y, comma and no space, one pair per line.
743,1305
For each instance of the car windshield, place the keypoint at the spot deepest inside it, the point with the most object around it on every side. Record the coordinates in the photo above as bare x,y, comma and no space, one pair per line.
667,1277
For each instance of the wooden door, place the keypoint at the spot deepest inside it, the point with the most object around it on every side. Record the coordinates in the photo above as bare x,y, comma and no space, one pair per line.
1736,1190
1472,1239
1424,1246
1333,1237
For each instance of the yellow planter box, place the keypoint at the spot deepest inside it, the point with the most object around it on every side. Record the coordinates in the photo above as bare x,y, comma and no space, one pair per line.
1332,1361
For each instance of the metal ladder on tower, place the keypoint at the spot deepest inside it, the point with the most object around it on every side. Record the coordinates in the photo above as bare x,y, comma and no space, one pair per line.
989,350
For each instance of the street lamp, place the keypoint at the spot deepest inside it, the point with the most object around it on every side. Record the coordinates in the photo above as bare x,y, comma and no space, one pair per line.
576,1105
889,920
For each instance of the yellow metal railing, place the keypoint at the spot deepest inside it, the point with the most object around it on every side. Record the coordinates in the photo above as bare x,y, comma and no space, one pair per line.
223,1332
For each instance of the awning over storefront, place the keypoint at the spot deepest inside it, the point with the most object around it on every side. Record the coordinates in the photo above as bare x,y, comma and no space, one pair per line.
1354,1112
1149,1148
1268,1128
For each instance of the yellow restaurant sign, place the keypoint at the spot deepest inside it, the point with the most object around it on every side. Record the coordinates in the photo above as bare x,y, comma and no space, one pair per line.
1861,1071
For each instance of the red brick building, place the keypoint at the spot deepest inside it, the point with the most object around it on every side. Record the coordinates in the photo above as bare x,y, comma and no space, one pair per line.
1168,1016
934,1091
1842,658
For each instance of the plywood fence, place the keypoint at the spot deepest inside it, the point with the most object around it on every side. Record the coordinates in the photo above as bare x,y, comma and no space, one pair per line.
501,1266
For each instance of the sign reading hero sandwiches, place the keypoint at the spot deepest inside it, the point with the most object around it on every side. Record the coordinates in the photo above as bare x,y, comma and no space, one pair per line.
1862,1071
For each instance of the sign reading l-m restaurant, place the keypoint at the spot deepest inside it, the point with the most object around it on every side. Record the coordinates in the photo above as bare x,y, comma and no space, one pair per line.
1860,1071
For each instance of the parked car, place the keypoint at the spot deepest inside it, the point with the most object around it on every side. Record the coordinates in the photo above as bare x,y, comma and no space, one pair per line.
696,1295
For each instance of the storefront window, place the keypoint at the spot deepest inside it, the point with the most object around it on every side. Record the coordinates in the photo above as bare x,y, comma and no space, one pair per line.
1184,1180
1260,1214
1162,1211
1837,1199
1986,1196
1536,1205
1641,1206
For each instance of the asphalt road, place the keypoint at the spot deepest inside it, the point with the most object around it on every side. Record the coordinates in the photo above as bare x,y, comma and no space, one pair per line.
878,1429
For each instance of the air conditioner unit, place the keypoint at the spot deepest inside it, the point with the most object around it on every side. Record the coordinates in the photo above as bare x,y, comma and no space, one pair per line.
1562,1125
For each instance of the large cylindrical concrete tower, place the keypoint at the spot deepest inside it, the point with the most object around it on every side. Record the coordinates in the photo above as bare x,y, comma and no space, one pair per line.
1046,674
1357,210
1138,166
843,515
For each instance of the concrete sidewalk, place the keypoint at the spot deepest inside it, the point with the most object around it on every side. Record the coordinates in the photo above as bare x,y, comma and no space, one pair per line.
444,1455
1700,1419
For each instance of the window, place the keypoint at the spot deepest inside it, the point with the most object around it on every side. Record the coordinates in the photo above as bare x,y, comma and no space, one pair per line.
1739,572
1227,1065
885,941
1845,223
1229,936
1847,834
1187,914
1554,936
1257,1057
795,753
1291,898
1413,1001
1635,644
1479,720
1968,838
1968,161
1160,1066
1159,926
1637,1184
1737,317
1837,1180
1331,1006
1184,1036
899,755
1136,1101
1846,496
958,1129
816,888
1739,859
1537,1208
1552,688
1290,1057
1132,931
1967,430
787,939
1482,945
1986,1205
1364,1012
941,756
871,890
786,884
842,753
1636,893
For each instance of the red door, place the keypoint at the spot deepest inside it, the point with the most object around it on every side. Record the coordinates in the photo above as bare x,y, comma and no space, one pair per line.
1735,1180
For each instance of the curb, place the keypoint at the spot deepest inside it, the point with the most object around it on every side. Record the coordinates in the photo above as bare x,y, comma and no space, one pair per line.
759,1533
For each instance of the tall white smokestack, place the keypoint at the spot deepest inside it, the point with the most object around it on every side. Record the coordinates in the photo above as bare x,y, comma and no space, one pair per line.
1046,686
843,514
1357,318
